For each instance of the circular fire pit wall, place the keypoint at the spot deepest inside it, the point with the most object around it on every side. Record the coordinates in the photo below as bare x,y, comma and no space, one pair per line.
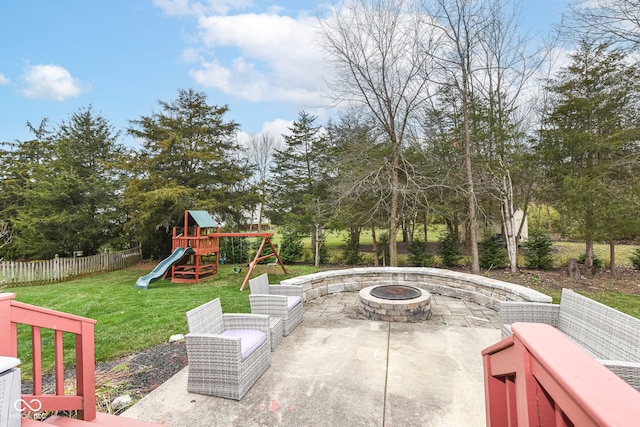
395,303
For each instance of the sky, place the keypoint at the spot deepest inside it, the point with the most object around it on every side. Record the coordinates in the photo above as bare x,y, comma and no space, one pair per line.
260,58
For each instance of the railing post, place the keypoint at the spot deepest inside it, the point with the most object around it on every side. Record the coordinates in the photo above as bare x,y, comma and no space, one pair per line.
85,371
8,338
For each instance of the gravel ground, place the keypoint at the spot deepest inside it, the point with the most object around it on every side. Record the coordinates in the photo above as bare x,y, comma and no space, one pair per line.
138,374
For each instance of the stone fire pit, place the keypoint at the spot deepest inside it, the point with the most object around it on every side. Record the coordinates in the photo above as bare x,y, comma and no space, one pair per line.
395,303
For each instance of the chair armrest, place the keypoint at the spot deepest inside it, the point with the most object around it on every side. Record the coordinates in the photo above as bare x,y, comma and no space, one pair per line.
529,312
206,348
288,290
271,305
628,371
259,322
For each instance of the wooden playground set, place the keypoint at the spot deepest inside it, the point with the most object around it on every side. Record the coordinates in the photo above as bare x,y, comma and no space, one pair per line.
195,251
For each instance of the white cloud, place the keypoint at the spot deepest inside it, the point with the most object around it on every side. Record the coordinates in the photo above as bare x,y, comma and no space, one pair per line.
274,128
278,57
3,80
191,56
50,82
277,127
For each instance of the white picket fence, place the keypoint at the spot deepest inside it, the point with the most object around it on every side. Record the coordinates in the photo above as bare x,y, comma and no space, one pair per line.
16,273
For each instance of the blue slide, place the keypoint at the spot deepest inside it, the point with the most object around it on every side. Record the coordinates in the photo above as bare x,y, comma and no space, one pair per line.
161,269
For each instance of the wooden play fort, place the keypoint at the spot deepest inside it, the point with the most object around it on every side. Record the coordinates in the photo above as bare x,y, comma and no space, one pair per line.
196,240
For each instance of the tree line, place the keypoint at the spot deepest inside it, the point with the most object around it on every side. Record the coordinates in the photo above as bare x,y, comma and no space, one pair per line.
446,115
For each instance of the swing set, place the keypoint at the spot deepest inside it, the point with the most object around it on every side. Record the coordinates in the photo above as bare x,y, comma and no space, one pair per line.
202,236
266,240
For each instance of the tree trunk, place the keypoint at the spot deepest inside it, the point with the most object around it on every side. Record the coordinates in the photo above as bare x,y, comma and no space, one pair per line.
525,210
375,246
573,269
473,221
405,231
393,220
472,203
318,245
612,257
508,222
588,260
260,216
426,226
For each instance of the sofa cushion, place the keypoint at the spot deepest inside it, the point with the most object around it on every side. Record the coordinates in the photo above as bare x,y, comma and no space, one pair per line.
292,301
250,340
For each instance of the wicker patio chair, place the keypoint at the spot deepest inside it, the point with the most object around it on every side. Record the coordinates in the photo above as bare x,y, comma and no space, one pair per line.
283,301
227,353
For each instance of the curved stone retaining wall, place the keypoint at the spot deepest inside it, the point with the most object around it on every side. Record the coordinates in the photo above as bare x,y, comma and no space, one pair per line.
471,287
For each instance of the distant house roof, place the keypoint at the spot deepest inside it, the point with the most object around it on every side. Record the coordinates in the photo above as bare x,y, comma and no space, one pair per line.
202,219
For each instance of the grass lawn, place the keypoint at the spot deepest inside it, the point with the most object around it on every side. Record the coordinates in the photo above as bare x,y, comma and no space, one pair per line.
626,303
563,250
566,250
130,319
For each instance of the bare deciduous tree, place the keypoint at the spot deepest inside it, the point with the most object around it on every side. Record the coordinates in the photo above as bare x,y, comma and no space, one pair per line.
506,70
616,21
380,61
483,61
461,25
260,148
5,233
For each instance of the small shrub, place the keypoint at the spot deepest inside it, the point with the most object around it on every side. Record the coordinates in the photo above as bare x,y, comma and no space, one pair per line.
539,252
492,253
324,253
418,255
291,248
450,250
635,258
351,253
597,262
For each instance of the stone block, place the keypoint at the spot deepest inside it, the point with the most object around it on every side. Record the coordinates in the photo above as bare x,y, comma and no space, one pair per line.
335,288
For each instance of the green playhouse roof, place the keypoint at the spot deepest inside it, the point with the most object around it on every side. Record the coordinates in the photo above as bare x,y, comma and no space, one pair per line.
202,219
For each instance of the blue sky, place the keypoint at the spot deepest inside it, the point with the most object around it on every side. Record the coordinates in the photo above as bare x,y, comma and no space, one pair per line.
260,58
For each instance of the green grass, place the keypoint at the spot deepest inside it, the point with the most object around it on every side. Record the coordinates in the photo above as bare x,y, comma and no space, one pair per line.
562,250
626,303
566,250
336,239
130,319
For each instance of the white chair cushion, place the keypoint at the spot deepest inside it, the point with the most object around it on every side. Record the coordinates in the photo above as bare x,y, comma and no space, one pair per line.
250,340
292,301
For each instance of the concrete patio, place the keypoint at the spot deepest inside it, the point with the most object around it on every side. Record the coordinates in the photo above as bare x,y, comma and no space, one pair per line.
338,369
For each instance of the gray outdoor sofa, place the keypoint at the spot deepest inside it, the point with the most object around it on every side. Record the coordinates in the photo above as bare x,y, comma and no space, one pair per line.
227,353
608,335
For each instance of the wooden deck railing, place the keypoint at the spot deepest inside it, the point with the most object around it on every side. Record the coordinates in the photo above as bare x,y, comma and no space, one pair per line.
538,377
13,313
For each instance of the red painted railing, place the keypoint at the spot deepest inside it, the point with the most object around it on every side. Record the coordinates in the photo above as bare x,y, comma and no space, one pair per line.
13,313
200,244
538,377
